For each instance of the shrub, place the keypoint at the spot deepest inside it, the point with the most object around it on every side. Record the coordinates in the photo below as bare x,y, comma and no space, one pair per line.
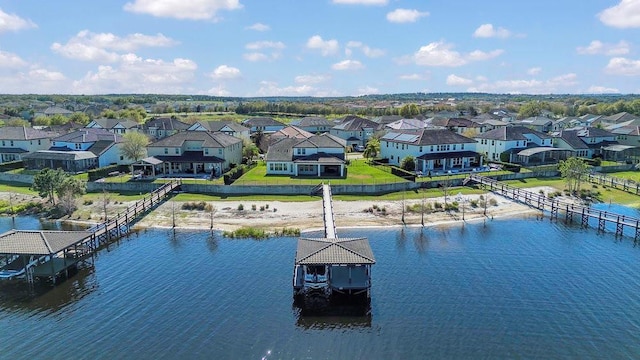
87,202
261,208
240,207
253,207
200,206
246,232
437,206
266,206
493,202
473,203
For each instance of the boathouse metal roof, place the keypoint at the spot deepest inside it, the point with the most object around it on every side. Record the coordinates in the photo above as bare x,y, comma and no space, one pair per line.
334,251
39,242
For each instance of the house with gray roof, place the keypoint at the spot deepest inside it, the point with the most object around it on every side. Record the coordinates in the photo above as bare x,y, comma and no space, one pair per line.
434,150
161,127
538,123
263,124
407,124
313,124
54,110
510,140
456,124
79,151
196,152
355,130
116,126
289,132
585,142
17,141
228,127
319,156
618,118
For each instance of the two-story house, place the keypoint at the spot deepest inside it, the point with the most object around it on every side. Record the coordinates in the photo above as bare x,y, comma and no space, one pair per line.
585,142
197,152
116,126
79,151
434,150
16,141
510,140
538,123
228,127
161,127
356,131
262,124
313,124
319,155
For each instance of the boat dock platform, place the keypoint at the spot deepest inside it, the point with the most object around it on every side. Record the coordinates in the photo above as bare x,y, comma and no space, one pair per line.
48,254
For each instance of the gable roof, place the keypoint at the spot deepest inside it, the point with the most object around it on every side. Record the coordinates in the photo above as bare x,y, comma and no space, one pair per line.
355,123
262,121
107,123
322,141
282,150
537,121
403,124
291,132
619,117
54,110
309,121
23,133
427,137
452,122
208,139
88,135
334,251
511,133
44,242
166,123
219,125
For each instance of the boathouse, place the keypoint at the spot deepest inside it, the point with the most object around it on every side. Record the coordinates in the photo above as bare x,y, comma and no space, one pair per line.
31,254
333,265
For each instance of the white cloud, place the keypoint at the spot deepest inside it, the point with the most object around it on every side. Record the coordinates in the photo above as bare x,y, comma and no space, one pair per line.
35,80
488,31
561,83
624,15
366,50
255,56
623,66
180,9
88,46
259,27
442,54
347,65
367,90
226,72
265,45
414,77
601,90
138,75
271,88
11,60
534,71
13,22
311,79
598,47
328,47
405,15
218,91
361,2
455,80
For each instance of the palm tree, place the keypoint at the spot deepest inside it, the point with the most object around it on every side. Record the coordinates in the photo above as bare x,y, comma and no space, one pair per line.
372,149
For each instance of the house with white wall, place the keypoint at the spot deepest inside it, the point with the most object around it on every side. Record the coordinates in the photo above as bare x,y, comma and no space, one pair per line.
228,127
434,150
585,142
116,126
318,156
161,127
510,139
356,131
16,141
263,124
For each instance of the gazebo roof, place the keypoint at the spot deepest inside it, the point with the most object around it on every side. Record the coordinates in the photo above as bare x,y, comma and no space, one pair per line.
39,242
334,251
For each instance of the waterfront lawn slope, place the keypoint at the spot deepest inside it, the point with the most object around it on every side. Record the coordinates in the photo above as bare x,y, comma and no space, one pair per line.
358,173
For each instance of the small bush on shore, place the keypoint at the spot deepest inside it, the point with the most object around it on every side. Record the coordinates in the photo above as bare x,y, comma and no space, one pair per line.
288,232
246,233
493,202
240,207
200,206
473,203
253,207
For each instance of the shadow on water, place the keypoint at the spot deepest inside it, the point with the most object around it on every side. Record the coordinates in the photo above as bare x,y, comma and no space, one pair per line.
421,242
337,312
42,297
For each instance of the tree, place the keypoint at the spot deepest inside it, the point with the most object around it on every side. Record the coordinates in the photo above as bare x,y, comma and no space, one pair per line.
249,150
409,110
573,170
372,149
68,191
134,146
530,109
408,163
46,181
79,118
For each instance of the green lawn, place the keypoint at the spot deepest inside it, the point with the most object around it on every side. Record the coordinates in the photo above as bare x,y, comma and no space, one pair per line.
628,175
359,172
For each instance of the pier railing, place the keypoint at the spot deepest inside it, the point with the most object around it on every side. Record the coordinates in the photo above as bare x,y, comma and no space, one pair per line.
626,185
555,206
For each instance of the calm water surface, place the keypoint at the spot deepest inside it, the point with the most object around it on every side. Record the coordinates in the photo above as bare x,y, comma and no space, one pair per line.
511,288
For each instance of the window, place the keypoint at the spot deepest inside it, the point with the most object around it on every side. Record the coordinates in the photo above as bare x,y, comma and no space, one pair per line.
166,151
220,151
206,151
461,146
121,157
12,143
493,142
39,142
78,146
420,149
454,146
178,151
431,148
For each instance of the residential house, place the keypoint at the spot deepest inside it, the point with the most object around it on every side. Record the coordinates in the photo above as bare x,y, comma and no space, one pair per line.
586,142
17,141
434,150
387,119
289,132
54,110
356,131
262,124
313,124
319,156
228,127
79,151
197,152
116,126
457,125
407,124
538,123
161,127
618,118
565,123
510,140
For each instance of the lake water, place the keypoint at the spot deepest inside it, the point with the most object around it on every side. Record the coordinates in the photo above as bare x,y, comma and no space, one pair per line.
523,288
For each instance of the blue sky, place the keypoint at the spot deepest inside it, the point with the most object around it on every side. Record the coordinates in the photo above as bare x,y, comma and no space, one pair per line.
319,47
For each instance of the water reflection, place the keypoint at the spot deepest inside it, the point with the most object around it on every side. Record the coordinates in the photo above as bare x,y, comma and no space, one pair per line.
338,313
421,242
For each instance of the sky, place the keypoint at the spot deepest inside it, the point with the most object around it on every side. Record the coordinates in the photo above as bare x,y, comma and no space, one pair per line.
250,48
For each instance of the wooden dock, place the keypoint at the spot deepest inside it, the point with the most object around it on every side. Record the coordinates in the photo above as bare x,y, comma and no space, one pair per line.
48,254
557,208
626,185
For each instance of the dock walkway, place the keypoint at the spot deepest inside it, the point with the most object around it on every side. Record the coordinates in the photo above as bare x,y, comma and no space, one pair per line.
556,207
